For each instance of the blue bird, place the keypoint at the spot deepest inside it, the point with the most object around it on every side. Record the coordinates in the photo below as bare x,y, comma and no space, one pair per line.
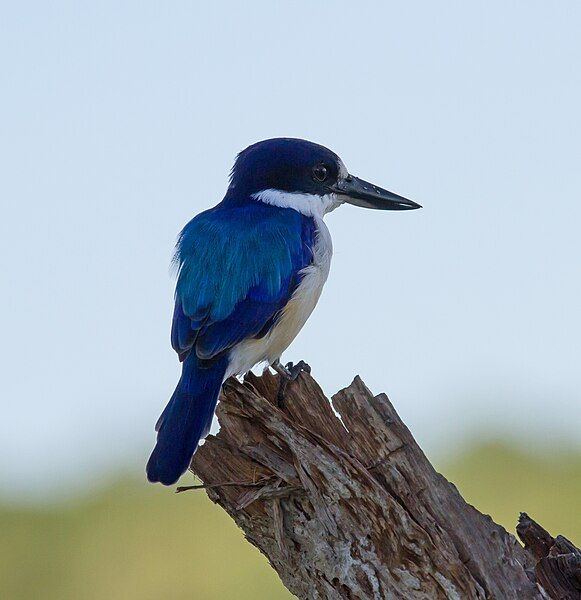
250,272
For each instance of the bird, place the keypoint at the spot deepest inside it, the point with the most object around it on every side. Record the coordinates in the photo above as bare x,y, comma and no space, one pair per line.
250,271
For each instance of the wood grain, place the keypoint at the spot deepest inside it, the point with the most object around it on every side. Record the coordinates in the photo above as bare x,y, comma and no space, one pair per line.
344,503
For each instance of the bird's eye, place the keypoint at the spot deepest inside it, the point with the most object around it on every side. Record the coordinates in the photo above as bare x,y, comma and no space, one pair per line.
320,172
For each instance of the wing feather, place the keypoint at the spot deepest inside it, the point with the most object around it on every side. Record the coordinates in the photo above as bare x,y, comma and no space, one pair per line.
238,267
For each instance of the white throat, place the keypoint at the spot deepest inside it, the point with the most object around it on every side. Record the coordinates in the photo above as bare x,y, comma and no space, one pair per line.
297,310
310,205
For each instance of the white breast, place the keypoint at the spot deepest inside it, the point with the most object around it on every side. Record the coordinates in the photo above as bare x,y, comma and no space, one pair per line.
295,314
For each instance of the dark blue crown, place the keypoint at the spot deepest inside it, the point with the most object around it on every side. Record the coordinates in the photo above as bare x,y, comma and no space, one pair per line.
286,164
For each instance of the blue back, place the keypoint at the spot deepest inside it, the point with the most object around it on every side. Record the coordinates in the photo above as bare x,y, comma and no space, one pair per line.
239,264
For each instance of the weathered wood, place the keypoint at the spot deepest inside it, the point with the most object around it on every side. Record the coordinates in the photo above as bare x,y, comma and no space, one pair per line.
350,507
558,561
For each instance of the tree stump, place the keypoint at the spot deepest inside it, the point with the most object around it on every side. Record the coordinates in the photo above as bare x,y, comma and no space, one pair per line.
344,503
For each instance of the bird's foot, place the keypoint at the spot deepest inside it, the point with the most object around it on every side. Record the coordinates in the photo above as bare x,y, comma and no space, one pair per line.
295,370
288,373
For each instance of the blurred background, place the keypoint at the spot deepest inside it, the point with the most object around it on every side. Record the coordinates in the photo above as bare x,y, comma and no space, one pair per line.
120,121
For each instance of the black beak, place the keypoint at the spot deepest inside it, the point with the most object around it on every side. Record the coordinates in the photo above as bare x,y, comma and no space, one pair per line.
361,193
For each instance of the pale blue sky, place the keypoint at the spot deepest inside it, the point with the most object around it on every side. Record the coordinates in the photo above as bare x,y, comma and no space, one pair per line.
120,121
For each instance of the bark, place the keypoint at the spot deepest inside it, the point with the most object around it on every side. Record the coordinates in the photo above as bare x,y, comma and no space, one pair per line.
350,507
557,561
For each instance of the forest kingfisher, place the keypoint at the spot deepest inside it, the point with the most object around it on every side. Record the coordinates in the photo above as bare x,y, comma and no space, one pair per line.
250,272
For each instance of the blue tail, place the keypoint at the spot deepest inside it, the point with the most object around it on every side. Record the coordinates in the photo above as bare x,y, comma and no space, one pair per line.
186,419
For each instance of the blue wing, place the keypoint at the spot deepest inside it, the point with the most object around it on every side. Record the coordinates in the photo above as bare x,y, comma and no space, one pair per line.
238,267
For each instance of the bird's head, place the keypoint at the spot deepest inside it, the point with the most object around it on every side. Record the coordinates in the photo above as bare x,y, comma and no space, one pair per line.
302,175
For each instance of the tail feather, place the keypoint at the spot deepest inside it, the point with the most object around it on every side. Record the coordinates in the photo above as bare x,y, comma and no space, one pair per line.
186,419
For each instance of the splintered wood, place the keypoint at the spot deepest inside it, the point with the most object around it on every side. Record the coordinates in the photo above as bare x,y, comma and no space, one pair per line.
349,506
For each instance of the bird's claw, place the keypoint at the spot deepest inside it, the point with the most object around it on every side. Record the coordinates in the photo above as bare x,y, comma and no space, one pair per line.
295,370
288,373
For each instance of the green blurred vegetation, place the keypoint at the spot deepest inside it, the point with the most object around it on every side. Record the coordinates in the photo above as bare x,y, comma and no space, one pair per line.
132,541
137,541
502,481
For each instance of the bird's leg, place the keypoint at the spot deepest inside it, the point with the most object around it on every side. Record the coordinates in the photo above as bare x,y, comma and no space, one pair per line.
288,373
285,377
281,369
